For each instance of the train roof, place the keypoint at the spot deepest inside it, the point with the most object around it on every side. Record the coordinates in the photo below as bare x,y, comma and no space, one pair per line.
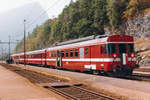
30,52
85,42
93,40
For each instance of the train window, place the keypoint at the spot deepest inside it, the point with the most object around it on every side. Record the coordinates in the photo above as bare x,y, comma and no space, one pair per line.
122,48
62,53
76,52
51,54
130,48
66,53
86,51
39,56
105,49
111,48
101,48
71,53
55,54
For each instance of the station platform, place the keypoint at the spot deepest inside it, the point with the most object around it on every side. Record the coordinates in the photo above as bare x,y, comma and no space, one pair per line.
15,87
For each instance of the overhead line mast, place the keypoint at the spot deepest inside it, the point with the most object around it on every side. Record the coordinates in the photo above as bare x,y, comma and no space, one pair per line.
9,46
24,42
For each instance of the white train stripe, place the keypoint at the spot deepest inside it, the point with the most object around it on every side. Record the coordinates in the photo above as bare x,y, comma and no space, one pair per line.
50,59
85,59
81,60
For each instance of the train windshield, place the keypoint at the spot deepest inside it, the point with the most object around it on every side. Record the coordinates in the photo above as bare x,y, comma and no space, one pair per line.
130,48
111,48
122,48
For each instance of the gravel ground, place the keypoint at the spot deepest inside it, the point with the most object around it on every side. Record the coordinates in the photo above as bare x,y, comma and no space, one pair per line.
141,72
131,90
143,69
15,87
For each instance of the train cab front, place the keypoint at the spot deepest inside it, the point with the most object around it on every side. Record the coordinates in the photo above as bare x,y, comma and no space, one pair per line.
124,56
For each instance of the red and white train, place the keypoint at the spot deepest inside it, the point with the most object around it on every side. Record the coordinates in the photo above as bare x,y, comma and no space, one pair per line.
98,54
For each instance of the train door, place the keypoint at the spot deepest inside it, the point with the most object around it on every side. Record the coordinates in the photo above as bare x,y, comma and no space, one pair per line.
58,59
123,54
81,53
40,56
87,55
95,55
45,57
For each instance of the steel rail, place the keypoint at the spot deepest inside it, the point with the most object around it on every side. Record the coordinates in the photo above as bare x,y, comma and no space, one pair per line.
67,94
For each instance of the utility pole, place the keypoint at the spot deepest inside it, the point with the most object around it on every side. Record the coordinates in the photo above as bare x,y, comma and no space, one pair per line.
2,55
17,41
9,47
24,42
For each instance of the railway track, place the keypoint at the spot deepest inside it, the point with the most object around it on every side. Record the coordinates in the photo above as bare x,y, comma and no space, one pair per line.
140,77
137,77
71,92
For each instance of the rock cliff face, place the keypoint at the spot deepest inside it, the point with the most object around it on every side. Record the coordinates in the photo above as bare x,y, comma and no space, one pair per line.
139,27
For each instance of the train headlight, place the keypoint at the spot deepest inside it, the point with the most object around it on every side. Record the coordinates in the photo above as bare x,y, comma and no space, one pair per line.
132,55
115,55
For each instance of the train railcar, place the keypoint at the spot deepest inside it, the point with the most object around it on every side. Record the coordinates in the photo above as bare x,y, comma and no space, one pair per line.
98,54
36,57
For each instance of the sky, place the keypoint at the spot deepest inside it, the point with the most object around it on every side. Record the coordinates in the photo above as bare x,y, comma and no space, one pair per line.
53,7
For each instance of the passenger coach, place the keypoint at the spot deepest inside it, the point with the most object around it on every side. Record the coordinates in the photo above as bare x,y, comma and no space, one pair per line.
98,54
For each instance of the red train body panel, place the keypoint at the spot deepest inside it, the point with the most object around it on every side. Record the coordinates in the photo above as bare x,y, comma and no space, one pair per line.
113,53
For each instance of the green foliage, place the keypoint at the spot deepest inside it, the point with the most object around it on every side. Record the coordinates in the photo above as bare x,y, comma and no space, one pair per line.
80,19
132,9
100,15
115,9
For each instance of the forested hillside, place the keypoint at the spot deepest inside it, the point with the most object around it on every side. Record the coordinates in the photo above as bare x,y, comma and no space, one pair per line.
83,18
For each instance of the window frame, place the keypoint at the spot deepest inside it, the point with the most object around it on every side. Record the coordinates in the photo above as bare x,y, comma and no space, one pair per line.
62,54
76,52
111,48
66,53
86,51
101,50
129,48
125,45
71,53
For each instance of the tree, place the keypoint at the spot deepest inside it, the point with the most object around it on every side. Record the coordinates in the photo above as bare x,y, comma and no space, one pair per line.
115,9
132,9
79,19
100,15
